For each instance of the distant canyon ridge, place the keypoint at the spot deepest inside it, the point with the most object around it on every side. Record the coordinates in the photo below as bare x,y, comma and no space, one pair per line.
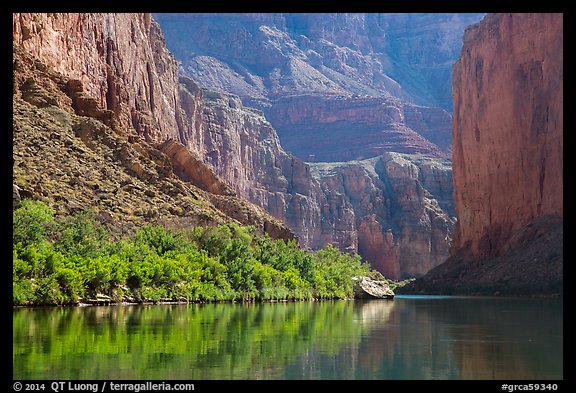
338,125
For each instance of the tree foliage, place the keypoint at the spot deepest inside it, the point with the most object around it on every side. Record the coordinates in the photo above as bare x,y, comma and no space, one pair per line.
75,260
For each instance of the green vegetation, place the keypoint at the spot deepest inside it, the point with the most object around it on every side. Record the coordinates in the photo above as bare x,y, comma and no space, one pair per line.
75,260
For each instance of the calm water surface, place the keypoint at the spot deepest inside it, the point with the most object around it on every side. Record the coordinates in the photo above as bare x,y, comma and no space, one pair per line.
410,337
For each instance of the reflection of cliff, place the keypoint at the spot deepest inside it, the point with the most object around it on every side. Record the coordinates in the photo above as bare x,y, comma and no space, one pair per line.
466,339
417,339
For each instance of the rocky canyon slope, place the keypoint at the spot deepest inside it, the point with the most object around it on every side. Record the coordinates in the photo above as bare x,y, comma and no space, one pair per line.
323,83
507,159
72,152
118,71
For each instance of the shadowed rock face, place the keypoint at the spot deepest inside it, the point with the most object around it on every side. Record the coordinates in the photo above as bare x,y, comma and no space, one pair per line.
266,56
508,128
328,129
507,159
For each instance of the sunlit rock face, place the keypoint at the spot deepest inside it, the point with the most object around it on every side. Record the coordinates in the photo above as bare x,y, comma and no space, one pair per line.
120,59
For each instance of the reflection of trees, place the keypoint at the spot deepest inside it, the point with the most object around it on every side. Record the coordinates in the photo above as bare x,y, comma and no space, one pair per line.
209,341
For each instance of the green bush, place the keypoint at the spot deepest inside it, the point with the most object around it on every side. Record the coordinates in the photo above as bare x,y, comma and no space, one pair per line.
80,234
75,259
32,222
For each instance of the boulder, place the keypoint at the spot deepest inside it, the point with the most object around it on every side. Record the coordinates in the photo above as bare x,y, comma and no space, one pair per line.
371,288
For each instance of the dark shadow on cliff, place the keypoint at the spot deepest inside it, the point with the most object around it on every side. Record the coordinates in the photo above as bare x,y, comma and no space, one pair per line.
532,265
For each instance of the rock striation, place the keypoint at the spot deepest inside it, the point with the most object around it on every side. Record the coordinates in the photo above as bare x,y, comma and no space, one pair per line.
243,148
328,82
508,158
333,129
508,86
119,60
403,214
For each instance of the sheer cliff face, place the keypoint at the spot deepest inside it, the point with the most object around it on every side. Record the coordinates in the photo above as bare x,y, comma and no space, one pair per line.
120,59
402,207
508,129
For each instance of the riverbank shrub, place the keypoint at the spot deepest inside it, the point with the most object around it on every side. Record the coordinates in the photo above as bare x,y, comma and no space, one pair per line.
75,260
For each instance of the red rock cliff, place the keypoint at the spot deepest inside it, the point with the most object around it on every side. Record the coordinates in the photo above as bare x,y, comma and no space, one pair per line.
120,59
120,62
507,161
508,128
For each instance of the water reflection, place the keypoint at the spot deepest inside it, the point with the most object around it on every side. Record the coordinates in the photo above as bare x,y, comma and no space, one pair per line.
408,338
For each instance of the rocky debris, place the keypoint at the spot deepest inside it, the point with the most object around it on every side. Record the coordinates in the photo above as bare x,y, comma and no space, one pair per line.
192,169
372,288
532,265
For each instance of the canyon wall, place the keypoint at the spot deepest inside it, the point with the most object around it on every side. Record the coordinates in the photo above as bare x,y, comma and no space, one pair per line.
333,129
339,70
403,210
507,159
508,128
121,61
119,71
71,159
119,66
328,97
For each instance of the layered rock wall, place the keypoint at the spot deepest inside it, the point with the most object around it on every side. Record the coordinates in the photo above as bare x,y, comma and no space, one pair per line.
403,231
118,71
331,129
121,61
508,128
243,148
